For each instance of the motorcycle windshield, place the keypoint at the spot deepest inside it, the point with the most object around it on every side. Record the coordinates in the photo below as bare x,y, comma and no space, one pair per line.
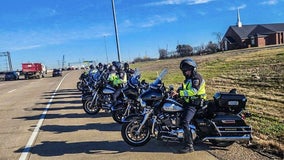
160,77
134,80
96,76
136,73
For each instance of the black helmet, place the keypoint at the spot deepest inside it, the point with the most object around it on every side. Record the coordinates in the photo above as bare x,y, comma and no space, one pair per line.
117,64
100,67
188,64
126,66
92,66
106,67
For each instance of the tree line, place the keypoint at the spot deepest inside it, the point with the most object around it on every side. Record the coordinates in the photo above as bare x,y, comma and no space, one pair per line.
183,50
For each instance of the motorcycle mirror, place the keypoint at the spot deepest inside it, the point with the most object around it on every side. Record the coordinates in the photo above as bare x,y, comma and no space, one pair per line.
171,87
247,114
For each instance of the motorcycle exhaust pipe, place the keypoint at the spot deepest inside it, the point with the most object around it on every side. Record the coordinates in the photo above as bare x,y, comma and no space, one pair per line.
168,138
233,138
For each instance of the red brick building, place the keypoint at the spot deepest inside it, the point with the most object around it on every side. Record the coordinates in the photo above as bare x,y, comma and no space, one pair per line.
245,36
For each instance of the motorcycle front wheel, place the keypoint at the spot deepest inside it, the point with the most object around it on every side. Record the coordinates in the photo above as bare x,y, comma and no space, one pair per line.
79,86
89,108
130,135
118,115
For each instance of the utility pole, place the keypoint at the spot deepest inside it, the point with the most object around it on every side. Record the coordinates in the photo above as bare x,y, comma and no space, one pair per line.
7,54
63,61
116,31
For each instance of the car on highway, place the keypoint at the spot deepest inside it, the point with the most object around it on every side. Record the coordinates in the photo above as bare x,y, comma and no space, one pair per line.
2,76
56,72
12,75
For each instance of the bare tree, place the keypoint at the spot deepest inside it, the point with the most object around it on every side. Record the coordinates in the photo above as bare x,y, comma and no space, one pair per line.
184,50
219,36
163,53
211,47
201,49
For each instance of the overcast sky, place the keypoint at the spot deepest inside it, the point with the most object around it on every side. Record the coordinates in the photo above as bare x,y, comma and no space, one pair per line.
45,30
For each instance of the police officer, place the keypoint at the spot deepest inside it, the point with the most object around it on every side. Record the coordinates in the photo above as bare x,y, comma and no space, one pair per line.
129,72
100,67
193,92
118,78
91,71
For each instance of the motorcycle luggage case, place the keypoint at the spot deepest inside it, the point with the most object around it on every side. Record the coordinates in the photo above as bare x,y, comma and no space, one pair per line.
130,92
231,125
229,102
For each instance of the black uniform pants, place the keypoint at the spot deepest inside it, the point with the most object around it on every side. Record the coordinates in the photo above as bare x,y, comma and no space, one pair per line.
188,115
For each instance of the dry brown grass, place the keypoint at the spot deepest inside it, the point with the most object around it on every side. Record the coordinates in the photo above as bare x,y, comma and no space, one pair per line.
259,74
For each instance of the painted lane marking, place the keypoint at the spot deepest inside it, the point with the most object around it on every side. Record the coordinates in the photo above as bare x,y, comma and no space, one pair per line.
26,151
12,91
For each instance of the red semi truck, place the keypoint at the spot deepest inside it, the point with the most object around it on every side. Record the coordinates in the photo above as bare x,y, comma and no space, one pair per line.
33,70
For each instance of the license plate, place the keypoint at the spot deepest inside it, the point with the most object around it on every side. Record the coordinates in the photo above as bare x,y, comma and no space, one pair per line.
233,103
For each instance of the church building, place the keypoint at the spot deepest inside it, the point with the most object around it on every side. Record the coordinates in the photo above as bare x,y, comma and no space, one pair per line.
257,35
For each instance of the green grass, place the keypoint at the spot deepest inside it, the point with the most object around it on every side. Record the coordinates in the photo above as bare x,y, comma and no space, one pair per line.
257,74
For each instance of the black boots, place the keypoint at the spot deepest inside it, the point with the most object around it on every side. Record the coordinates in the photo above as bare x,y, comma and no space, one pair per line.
186,149
188,141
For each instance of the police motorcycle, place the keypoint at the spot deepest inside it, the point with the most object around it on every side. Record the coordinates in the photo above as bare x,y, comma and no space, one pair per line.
129,103
83,82
161,119
90,84
101,96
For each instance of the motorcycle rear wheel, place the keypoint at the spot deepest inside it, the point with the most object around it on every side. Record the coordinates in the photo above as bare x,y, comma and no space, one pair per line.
128,133
89,108
221,143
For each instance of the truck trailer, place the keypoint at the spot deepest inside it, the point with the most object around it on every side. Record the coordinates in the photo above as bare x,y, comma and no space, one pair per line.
34,70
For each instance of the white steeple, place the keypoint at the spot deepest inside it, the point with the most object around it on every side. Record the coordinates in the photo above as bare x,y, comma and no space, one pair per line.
239,23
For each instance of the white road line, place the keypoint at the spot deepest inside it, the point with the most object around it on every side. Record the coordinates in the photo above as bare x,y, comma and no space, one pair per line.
35,133
12,90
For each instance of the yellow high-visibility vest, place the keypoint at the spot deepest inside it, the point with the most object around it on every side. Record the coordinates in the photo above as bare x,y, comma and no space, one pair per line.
189,93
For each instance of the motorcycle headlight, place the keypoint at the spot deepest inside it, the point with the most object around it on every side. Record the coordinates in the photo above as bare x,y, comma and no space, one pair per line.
142,103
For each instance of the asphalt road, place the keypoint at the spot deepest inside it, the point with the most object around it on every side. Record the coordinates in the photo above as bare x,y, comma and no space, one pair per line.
44,119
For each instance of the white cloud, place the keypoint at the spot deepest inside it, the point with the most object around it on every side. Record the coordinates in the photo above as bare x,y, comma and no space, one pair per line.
177,2
43,12
198,2
202,13
29,39
156,20
26,47
238,7
127,23
269,2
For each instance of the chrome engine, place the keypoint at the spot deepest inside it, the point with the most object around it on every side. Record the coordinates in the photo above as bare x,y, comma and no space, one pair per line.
106,101
170,127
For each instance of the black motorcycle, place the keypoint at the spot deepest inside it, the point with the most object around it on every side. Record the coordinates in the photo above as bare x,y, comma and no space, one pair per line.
82,83
222,124
129,104
101,96
86,82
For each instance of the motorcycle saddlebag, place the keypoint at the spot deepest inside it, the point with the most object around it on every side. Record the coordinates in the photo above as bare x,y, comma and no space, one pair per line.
231,125
130,92
229,102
